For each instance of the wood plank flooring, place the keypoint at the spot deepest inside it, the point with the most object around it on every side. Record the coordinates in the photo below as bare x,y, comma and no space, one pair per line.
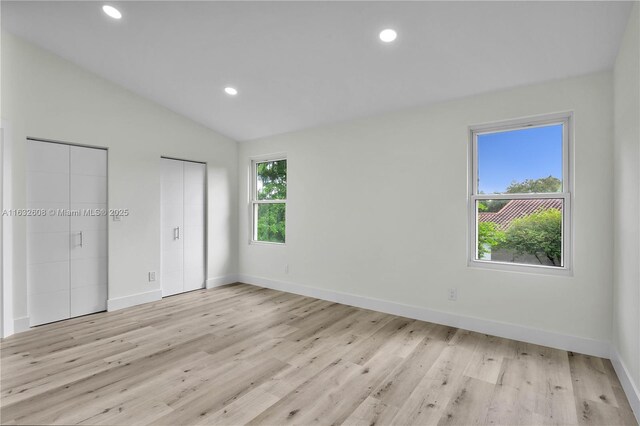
247,355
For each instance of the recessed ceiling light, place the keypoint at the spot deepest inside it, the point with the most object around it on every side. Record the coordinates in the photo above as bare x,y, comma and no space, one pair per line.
230,91
111,11
388,35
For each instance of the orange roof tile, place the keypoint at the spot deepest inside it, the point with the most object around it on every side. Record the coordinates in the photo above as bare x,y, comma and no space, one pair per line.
518,208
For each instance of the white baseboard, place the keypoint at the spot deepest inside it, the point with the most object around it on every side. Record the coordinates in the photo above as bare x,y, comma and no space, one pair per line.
134,299
21,324
495,328
154,295
631,389
220,281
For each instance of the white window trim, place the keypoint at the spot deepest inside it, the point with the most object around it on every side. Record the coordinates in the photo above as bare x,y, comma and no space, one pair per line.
254,199
566,119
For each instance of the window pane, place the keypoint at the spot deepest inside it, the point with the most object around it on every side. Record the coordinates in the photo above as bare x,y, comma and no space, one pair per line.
520,231
270,222
520,161
271,180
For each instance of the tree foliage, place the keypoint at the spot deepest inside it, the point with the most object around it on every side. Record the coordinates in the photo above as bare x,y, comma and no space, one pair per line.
272,180
541,185
489,236
492,206
271,222
539,234
271,185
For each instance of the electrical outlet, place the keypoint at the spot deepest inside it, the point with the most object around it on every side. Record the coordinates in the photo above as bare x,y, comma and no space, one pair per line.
453,294
286,268
152,276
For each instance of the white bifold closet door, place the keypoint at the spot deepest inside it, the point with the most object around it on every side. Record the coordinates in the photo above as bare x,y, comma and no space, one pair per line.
183,226
66,247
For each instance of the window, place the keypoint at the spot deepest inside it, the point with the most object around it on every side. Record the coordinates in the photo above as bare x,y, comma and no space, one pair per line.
519,201
269,200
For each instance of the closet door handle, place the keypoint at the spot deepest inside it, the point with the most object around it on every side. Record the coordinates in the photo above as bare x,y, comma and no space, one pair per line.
81,239
178,232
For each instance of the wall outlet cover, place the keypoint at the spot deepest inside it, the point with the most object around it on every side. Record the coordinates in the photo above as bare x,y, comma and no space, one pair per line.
453,294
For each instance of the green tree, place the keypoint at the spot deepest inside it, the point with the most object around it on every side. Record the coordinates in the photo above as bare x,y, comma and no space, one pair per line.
489,236
271,185
492,206
539,233
271,222
272,180
541,185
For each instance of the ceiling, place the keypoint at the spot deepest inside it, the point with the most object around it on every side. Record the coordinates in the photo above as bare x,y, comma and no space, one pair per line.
302,64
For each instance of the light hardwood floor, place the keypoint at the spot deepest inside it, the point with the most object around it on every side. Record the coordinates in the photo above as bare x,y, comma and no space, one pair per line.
243,354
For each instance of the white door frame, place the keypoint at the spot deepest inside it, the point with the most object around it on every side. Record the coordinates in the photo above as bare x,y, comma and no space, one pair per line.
6,233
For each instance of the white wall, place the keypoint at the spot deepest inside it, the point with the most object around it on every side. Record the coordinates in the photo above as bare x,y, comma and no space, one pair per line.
626,300
45,96
377,207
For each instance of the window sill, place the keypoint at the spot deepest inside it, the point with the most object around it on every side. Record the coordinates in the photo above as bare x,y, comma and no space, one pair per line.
266,243
520,268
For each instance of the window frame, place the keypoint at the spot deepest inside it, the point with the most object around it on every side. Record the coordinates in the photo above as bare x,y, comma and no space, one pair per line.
564,118
254,202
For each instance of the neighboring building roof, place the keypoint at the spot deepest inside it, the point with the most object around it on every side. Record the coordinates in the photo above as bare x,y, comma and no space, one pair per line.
518,208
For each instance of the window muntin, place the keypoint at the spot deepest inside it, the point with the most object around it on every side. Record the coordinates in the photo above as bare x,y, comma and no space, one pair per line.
269,200
519,194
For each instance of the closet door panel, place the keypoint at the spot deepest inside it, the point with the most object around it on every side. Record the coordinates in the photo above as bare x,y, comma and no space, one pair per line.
48,292
44,277
88,222
49,222
194,225
87,300
86,189
47,157
88,286
172,281
88,258
172,215
194,183
48,306
88,161
48,247
172,223
172,267
172,180
194,215
172,249
48,188
48,236
88,272
89,245
194,259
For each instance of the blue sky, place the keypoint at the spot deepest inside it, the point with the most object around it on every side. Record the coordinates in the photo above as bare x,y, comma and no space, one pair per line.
518,155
